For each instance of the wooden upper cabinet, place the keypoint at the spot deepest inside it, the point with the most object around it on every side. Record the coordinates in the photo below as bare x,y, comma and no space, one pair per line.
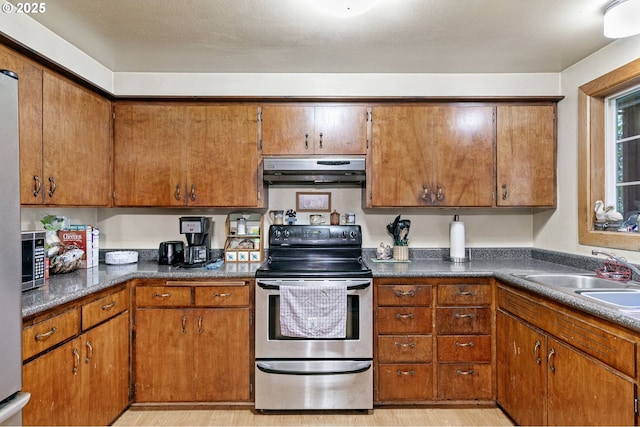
30,112
149,161
431,155
317,130
171,154
76,144
526,155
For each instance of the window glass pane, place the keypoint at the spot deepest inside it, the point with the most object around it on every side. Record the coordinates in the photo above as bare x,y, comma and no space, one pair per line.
628,200
628,108
628,164
627,153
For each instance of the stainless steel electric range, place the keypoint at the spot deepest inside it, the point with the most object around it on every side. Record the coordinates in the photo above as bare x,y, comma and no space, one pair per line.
316,276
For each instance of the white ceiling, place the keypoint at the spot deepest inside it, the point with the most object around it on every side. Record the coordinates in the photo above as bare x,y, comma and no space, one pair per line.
289,36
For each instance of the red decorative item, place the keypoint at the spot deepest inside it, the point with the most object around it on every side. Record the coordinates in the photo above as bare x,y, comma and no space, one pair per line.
613,270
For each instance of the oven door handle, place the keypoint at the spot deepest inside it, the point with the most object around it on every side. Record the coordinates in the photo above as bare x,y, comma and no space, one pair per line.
352,367
352,285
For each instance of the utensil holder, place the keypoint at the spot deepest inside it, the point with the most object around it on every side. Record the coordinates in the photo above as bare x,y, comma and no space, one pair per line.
401,253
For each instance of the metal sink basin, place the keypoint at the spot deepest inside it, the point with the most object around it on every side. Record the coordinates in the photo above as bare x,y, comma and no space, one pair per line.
575,281
628,299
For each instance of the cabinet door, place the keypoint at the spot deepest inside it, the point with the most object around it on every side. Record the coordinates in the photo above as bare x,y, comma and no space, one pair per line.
584,392
164,355
287,129
30,112
401,158
526,155
57,386
76,127
521,371
106,357
221,355
340,130
149,159
462,142
222,156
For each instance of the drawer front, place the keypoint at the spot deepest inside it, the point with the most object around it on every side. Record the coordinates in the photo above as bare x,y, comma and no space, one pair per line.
405,382
405,348
465,382
104,308
404,320
464,348
163,296
404,295
463,320
464,294
41,336
222,296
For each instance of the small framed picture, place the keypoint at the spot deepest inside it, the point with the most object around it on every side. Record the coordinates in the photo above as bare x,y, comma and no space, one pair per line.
313,202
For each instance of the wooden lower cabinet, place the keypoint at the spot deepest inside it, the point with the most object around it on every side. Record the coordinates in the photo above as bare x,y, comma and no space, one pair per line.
543,380
194,353
83,382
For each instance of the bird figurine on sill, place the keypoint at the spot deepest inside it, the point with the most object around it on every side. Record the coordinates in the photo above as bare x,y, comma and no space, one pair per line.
608,214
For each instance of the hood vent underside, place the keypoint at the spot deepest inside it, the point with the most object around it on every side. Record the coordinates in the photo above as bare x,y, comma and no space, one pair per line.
314,170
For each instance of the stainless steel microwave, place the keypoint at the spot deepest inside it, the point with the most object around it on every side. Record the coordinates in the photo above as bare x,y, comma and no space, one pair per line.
33,259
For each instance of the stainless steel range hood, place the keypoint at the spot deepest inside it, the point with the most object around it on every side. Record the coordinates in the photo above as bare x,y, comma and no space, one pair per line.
343,170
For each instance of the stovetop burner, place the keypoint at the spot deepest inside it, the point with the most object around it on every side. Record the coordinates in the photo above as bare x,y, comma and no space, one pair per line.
314,251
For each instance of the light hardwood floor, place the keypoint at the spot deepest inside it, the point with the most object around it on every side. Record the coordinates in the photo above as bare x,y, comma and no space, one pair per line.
138,416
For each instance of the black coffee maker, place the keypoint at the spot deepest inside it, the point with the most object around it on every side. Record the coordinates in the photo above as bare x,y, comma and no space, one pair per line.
197,230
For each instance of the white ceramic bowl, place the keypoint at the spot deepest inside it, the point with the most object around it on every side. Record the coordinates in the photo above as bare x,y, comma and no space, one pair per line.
121,257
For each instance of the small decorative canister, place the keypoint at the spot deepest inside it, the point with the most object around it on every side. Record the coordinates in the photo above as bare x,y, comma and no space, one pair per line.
401,253
334,218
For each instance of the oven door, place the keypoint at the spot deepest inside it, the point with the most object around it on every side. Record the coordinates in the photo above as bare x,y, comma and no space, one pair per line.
357,344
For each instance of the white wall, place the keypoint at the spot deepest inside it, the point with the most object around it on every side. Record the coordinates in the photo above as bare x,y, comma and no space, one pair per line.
559,230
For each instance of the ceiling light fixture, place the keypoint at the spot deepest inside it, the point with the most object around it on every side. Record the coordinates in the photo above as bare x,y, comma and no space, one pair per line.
622,19
344,8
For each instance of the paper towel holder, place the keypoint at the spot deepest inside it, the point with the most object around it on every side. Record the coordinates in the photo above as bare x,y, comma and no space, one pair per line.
467,257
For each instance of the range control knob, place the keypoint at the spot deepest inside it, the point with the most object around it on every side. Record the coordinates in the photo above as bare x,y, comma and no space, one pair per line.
287,234
277,233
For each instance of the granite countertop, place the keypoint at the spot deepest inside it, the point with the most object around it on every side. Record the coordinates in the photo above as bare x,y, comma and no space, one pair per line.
64,288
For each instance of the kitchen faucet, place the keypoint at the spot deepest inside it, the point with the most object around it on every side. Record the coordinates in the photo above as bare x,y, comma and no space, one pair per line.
617,259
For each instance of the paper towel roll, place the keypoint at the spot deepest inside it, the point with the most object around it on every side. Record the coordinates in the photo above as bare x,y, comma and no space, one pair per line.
456,239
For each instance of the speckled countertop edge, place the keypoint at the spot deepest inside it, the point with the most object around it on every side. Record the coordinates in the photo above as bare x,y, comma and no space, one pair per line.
503,264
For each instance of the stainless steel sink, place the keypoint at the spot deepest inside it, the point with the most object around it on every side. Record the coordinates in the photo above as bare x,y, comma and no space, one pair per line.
627,299
575,281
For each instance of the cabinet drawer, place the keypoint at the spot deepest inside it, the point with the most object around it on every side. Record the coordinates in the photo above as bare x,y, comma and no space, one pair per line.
104,308
463,320
41,336
404,320
405,348
222,296
404,295
464,382
464,294
163,296
464,348
408,382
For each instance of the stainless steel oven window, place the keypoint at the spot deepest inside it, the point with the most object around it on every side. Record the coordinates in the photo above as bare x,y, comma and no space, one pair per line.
353,320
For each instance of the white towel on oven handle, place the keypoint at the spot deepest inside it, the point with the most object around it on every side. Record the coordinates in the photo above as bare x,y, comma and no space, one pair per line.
313,311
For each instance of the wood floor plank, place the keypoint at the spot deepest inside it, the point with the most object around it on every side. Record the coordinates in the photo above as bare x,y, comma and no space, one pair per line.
138,416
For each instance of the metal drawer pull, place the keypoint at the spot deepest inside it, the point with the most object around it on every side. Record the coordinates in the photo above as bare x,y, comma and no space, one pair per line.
90,352
468,344
227,295
535,351
549,357
157,295
76,360
321,140
193,192
52,186
400,344
463,316
52,331
184,324
465,293
504,192
411,372
109,306
306,141
200,330
176,194
469,372
404,316
405,293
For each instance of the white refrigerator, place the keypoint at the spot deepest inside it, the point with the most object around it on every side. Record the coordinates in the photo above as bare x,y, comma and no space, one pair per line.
12,398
